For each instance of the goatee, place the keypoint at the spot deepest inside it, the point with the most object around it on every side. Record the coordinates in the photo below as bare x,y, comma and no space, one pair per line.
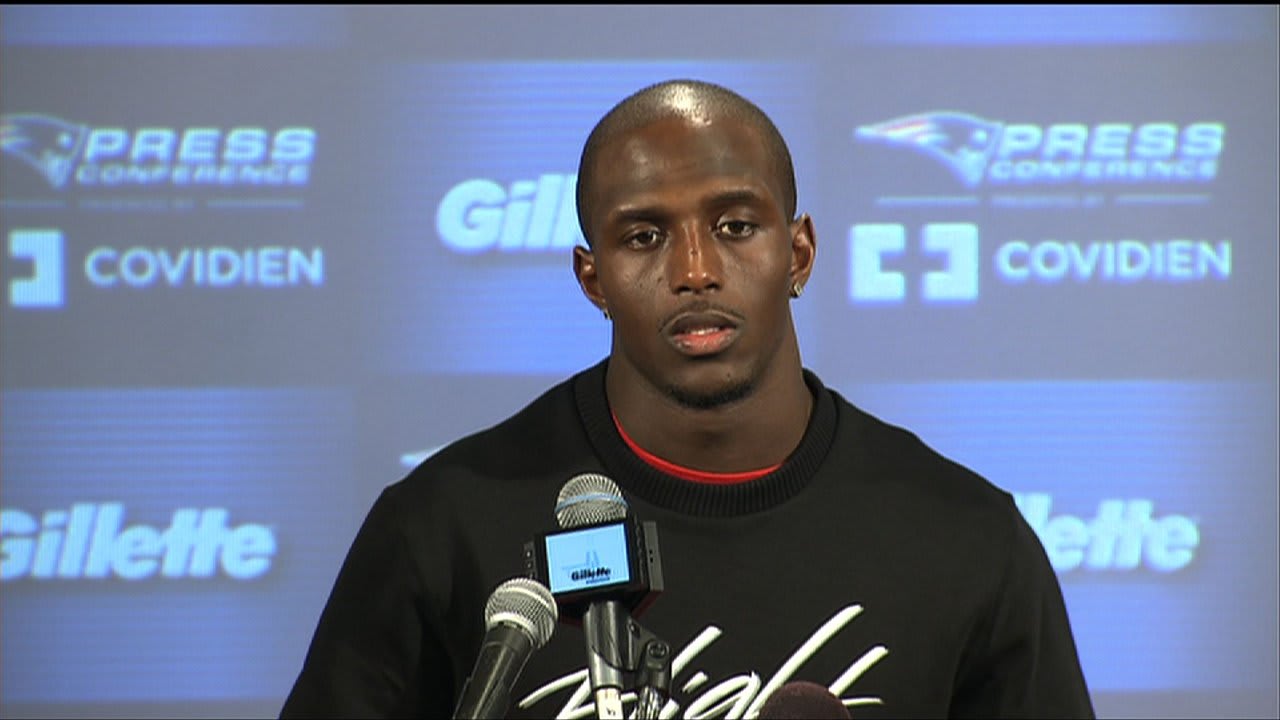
726,395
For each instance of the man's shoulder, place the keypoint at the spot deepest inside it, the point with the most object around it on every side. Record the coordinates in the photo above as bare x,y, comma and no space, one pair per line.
894,454
936,501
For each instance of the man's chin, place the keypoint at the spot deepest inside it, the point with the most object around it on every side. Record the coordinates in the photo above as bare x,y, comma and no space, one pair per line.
710,398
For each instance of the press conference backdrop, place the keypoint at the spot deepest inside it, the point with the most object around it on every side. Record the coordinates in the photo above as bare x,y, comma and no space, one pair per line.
261,261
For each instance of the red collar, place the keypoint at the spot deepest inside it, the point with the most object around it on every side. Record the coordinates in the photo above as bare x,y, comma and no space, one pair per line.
684,473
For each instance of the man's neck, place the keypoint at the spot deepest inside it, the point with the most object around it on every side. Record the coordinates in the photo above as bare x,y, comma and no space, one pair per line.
757,431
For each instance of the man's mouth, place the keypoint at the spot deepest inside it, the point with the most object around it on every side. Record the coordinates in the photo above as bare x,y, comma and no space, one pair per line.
702,333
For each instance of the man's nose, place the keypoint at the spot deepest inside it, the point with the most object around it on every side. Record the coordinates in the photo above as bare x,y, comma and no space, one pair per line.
694,264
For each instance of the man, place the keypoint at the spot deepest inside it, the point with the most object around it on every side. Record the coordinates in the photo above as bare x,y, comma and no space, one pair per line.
801,539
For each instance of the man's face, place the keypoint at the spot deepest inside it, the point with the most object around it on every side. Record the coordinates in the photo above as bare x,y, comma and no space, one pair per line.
693,255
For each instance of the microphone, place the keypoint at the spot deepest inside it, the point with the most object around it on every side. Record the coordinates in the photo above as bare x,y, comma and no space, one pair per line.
590,499
519,618
803,700
601,551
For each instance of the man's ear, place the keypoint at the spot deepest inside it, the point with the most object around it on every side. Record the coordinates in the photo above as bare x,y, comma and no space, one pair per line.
804,246
584,267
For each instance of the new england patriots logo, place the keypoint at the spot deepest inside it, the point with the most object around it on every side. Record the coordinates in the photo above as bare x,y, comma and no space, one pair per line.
960,141
46,143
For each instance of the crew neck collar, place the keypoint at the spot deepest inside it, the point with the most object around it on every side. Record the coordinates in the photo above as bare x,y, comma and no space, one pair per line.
640,478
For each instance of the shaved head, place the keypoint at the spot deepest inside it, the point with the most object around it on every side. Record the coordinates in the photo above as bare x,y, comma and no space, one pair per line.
692,100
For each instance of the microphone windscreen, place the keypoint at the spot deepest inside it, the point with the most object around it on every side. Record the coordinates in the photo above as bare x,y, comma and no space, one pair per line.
526,603
803,700
588,499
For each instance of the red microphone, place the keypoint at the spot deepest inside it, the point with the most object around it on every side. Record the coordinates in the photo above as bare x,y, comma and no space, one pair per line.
803,700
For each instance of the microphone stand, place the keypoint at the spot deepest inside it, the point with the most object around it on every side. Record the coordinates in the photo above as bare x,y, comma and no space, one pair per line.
653,680
635,651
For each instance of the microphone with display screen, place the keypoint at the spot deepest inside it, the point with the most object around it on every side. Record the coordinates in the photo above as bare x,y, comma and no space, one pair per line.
603,568
519,618
590,500
600,553
803,700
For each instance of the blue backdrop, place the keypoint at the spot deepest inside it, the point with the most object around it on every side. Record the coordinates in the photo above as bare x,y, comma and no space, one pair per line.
260,261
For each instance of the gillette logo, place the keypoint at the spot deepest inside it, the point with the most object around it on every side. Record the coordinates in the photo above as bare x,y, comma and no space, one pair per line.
979,151
69,153
91,542
480,215
591,574
1123,535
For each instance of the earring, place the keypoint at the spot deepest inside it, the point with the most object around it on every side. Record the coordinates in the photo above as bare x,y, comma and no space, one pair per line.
607,315
797,289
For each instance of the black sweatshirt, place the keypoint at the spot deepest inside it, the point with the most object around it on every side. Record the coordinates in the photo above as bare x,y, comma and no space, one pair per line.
867,563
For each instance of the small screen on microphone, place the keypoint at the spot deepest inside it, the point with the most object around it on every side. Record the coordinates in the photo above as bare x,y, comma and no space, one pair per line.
588,558
610,560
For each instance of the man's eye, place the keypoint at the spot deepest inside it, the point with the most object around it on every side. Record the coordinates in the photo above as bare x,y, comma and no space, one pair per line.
644,238
736,228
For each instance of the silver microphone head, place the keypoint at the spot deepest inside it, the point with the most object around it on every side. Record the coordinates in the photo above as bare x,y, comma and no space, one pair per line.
526,603
588,499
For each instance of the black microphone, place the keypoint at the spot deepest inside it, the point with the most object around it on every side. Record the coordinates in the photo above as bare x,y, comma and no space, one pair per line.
519,618
803,700
590,499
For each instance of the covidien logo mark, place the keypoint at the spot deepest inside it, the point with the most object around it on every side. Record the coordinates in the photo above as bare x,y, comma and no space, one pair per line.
1123,535
142,268
71,153
529,216
980,151
874,247
955,243
46,287
91,542
1123,261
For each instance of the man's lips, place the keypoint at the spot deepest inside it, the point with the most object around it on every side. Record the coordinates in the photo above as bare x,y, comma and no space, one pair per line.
702,332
